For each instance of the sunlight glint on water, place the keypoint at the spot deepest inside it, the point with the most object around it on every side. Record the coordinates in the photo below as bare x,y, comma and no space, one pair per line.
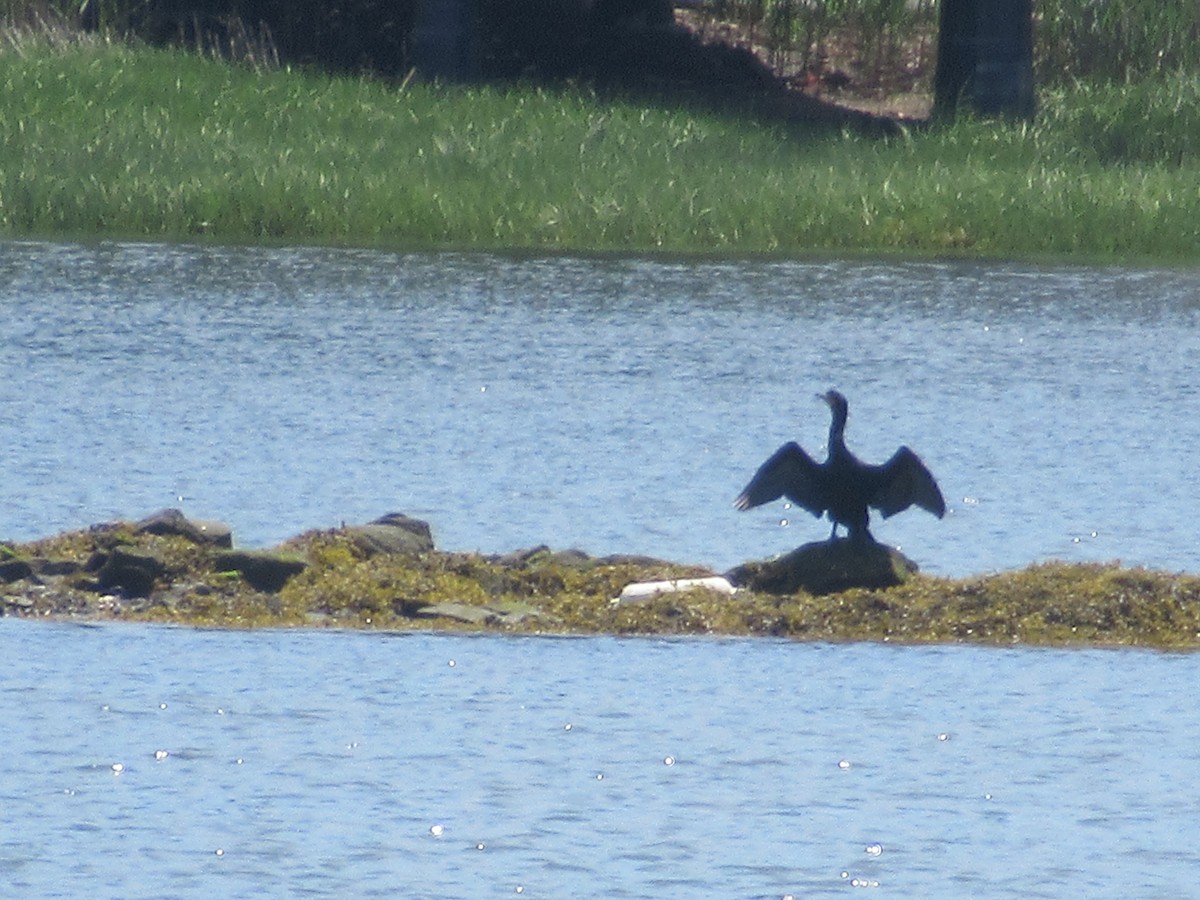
616,405
317,762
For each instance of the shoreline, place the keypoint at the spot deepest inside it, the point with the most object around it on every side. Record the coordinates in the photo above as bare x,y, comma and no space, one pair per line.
683,257
387,575
1106,174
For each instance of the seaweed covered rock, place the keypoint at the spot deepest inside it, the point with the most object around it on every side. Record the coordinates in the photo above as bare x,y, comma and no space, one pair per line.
573,557
520,559
826,567
174,522
505,613
14,569
826,591
131,570
263,570
393,533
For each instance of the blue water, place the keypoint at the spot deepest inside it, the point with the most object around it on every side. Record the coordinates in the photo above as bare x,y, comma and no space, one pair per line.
345,764
615,405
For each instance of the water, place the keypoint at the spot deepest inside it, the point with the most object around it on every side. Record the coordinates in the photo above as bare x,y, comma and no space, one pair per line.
616,405
324,764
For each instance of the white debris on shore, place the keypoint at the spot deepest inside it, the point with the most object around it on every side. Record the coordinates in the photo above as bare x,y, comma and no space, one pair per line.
643,590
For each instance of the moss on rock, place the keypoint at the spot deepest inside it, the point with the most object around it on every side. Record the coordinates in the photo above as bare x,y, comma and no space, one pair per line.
333,580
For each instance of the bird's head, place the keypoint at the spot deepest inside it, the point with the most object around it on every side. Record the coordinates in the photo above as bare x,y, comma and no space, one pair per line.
833,400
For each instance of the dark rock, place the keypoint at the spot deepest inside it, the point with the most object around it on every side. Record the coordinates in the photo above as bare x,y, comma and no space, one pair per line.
15,570
106,529
174,522
131,571
570,558
262,570
826,568
38,567
543,555
55,567
519,558
393,533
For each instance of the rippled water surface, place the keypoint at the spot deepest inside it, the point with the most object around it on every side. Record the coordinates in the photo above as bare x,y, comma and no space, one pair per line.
144,762
618,406
612,404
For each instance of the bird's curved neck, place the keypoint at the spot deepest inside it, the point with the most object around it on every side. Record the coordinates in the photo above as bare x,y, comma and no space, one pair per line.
837,430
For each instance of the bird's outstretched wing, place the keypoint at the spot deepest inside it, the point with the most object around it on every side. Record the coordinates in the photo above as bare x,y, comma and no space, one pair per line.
903,482
789,472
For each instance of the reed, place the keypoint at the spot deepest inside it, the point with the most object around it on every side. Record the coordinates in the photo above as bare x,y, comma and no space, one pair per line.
1078,39
1074,39
879,37
101,140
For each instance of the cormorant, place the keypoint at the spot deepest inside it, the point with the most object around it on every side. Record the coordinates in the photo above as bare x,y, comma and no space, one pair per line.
843,486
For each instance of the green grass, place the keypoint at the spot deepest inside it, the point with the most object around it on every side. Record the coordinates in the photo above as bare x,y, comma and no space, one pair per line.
101,140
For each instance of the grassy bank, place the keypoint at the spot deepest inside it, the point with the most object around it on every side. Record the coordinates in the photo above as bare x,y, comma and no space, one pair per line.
335,579
105,141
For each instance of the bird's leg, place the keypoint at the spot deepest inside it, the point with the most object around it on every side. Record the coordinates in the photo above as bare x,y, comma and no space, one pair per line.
862,536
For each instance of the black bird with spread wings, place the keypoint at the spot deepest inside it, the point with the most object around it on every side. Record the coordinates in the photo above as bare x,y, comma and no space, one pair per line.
843,486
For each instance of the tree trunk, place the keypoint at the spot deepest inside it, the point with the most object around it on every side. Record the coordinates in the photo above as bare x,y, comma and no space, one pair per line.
985,58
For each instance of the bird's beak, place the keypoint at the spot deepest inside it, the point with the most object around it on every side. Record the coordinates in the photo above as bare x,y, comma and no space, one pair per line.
824,398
